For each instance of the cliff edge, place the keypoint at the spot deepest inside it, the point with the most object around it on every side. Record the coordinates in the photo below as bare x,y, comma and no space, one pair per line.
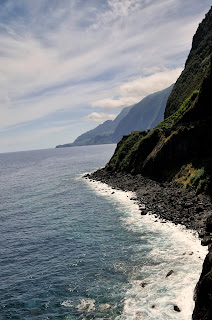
179,147
178,150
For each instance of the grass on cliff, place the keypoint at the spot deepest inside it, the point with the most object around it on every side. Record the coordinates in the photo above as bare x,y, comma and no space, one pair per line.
196,67
123,148
171,121
140,150
198,178
143,143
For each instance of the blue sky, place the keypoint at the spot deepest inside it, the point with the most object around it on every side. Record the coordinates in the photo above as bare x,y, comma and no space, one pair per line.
68,65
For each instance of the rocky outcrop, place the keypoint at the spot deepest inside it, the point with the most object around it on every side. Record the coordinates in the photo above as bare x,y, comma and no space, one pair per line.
203,291
163,200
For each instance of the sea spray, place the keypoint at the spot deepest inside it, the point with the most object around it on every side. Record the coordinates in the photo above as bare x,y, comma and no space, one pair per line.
164,247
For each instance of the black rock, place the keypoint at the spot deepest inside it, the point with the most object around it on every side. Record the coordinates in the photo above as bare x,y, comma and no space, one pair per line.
209,224
169,273
206,241
201,234
176,308
143,284
199,209
203,292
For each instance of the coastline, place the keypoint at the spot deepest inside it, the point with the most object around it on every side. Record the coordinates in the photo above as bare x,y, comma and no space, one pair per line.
167,201
178,238
171,203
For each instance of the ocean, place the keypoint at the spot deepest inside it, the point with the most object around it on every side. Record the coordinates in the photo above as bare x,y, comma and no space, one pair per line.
76,249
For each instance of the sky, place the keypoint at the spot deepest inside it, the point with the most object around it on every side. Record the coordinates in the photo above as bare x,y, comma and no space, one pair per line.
68,65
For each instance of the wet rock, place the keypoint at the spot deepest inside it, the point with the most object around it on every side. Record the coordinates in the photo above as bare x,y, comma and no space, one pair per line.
201,234
199,209
203,292
142,206
143,284
206,241
176,308
209,224
170,203
169,273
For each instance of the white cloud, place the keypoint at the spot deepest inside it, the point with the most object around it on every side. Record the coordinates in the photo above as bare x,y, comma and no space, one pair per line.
146,85
99,117
133,91
63,54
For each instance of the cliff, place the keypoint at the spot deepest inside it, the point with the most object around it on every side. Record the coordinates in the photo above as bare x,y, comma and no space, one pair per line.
196,66
101,134
203,291
178,150
143,115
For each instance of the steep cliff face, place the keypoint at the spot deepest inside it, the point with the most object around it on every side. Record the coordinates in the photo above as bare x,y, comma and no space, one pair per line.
179,148
103,133
183,140
143,115
196,66
203,292
146,114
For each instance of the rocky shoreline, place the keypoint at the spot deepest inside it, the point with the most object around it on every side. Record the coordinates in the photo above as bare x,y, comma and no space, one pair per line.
170,202
167,201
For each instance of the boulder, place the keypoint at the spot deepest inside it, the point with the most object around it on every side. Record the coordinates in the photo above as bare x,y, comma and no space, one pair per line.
203,292
206,241
169,273
209,224
176,308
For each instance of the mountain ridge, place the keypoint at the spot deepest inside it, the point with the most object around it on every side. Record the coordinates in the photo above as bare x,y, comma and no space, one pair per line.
142,116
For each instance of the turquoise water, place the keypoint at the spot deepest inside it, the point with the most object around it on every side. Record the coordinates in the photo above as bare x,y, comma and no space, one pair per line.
72,249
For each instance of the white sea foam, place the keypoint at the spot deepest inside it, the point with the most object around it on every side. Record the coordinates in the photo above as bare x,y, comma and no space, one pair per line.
169,247
67,303
86,305
104,306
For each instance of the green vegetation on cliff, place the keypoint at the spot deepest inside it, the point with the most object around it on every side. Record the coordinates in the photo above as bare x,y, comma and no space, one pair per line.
176,117
126,155
182,139
196,66
179,147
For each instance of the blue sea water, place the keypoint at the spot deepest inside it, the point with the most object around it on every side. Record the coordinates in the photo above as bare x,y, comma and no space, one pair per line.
74,249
